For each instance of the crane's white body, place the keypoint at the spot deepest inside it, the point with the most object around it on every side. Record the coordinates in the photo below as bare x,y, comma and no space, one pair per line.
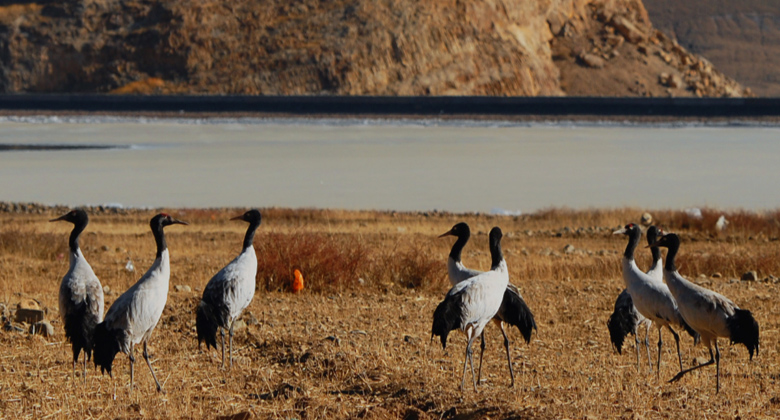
704,310
651,298
137,310
80,286
481,297
234,285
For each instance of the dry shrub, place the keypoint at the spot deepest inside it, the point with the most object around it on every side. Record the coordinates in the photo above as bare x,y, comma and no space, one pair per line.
327,261
415,268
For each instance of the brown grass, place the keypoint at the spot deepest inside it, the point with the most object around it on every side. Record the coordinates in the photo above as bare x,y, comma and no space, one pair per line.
352,348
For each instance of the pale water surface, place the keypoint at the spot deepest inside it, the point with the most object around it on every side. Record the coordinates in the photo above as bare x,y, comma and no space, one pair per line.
403,165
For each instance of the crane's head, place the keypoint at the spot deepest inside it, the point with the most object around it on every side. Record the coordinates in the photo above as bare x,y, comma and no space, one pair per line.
251,216
627,229
670,240
459,230
163,219
75,216
653,233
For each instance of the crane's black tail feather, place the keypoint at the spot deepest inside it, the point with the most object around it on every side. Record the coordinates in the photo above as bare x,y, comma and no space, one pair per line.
206,326
80,329
743,329
447,317
623,320
514,311
107,345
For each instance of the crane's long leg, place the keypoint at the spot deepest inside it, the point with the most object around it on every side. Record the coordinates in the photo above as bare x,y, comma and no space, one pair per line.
231,346
508,356
481,353
683,372
647,346
468,360
660,343
132,370
717,367
677,340
148,363
222,333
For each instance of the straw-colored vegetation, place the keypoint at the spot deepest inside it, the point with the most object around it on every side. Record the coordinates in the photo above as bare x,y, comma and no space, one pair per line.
355,342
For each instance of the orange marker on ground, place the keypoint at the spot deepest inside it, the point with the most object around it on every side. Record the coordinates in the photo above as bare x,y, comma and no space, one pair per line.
297,284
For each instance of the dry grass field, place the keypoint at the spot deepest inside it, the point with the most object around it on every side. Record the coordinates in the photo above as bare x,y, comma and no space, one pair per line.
355,342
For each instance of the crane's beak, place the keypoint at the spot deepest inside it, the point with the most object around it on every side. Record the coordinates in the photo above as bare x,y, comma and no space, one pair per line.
654,244
447,233
59,218
178,222
237,217
620,231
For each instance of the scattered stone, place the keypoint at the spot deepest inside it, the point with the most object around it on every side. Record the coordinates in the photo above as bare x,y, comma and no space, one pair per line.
592,60
670,80
716,275
182,288
647,219
239,324
359,332
569,249
106,290
411,339
104,247
615,41
43,328
628,29
750,276
129,267
29,311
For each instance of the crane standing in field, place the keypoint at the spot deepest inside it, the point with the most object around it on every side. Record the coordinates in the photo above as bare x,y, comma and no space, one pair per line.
229,292
652,298
709,313
513,310
81,295
134,315
626,319
472,303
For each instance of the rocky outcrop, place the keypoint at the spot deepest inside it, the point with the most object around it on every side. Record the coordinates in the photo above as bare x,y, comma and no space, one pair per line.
345,47
740,38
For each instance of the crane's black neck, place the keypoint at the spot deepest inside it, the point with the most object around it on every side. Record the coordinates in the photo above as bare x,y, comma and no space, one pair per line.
673,246
652,236
250,233
73,242
457,247
496,254
159,238
633,241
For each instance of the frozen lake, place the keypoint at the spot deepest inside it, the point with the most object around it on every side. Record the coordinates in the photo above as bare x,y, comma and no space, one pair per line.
401,165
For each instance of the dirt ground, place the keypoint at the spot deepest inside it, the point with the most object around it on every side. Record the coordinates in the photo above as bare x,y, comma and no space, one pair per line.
359,347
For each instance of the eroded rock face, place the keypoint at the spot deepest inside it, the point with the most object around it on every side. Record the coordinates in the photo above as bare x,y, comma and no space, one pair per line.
339,47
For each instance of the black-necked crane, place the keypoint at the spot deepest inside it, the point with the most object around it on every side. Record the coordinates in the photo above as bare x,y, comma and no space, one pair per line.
513,310
81,295
229,292
625,319
472,303
709,313
131,319
652,298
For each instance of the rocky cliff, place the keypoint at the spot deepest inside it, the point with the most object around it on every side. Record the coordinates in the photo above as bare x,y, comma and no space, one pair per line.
741,38
347,47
